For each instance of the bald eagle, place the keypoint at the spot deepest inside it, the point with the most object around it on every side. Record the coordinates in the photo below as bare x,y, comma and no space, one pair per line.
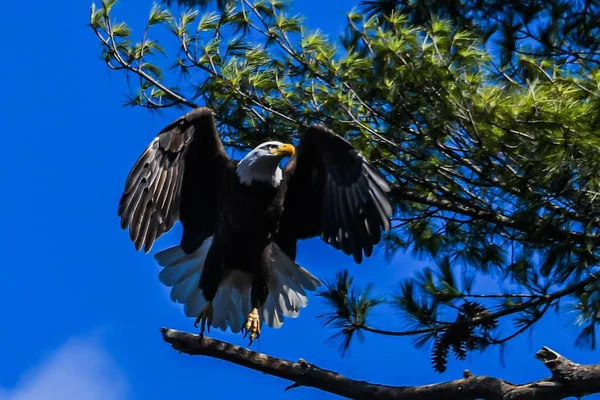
242,219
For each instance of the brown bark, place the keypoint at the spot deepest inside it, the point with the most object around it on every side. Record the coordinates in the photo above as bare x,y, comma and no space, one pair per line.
568,378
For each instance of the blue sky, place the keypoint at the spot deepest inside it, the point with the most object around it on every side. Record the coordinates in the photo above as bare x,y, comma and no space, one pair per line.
81,309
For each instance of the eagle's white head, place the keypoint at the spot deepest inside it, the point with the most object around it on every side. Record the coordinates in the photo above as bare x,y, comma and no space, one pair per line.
262,163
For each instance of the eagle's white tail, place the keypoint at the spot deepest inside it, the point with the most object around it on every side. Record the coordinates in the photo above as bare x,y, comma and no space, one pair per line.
231,305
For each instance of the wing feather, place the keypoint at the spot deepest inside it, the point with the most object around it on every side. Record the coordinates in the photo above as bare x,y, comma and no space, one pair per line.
177,177
342,206
354,229
381,199
329,218
333,192
381,212
372,222
365,240
353,203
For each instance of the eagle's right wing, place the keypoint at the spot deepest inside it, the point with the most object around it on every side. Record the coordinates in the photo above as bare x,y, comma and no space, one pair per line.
177,177
333,192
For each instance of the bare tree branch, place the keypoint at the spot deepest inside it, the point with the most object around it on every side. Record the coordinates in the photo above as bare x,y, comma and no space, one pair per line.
568,378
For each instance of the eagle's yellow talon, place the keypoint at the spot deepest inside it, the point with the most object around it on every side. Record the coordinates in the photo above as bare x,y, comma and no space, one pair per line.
252,326
205,315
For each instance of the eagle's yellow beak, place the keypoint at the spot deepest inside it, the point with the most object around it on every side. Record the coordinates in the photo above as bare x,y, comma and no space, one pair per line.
285,150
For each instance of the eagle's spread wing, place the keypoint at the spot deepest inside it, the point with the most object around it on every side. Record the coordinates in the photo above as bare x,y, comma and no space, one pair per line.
177,177
333,192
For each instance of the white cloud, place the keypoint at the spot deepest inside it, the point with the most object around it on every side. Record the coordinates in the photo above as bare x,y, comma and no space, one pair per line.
80,369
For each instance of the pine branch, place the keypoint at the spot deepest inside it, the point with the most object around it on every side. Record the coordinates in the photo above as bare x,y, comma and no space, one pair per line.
568,378
221,4
401,194
534,301
110,44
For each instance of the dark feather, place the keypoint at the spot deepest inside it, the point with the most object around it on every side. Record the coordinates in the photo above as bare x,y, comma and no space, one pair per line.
373,223
329,179
180,168
353,202
365,241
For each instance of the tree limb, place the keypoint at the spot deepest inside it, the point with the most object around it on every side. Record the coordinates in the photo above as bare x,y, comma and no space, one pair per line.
568,378
402,194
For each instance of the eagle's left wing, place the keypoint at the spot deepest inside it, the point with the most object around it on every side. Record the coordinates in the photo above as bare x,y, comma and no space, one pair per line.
333,192
177,177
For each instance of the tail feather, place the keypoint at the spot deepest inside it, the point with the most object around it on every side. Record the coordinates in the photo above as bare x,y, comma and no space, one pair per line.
177,272
287,307
235,316
195,304
271,310
294,301
287,288
170,256
222,307
276,313
185,289
244,305
298,274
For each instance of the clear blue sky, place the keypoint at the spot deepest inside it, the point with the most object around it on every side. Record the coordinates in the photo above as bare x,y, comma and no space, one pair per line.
81,309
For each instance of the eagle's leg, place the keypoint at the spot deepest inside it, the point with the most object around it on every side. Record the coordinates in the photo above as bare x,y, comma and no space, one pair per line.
212,273
258,296
252,325
205,315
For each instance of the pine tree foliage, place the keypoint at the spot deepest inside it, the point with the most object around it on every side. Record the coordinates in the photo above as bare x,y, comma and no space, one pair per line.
349,307
203,4
490,137
565,31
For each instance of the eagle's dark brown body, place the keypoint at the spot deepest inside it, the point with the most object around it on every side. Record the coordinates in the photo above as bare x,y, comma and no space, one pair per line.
249,219
247,222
